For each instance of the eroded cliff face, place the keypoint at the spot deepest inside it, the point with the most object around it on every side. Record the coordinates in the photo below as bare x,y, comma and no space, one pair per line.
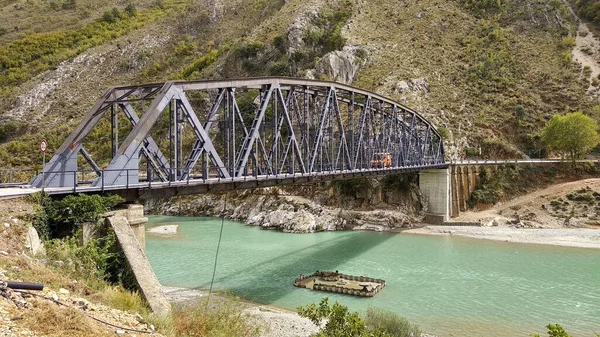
325,209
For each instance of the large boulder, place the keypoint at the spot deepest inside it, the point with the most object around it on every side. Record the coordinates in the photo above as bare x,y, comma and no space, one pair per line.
339,66
34,243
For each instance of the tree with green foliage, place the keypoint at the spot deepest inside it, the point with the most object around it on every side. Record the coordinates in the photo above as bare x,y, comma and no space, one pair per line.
588,9
59,222
573,135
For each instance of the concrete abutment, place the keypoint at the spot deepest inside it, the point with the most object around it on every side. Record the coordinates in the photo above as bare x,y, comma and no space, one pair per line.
128,224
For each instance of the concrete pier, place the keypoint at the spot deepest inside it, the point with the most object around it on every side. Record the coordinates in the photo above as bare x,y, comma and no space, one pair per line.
435,186
134,213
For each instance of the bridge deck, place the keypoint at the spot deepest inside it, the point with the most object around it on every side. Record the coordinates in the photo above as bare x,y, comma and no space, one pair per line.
150,190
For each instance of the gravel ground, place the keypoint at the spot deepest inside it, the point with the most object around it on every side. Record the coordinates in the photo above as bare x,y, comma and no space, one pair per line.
278,322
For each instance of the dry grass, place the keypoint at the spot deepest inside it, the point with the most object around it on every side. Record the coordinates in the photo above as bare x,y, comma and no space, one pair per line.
53,320
19,268
121,299
226,319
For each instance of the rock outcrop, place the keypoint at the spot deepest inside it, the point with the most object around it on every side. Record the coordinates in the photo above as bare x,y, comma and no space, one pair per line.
292,214
339,66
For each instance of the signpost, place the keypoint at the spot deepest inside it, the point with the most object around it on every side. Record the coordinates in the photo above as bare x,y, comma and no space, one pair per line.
43,147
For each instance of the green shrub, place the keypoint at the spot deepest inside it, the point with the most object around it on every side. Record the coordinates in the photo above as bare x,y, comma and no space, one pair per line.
588,9
200,64
472,152
280,68
59,223
69,4
280,43
444,133
484,7
121,299
131,10
520,112
109,17
483,195
10,129
325,37
100,260
390,323
337,321
61,218
249,49
568,42
554,330
340,322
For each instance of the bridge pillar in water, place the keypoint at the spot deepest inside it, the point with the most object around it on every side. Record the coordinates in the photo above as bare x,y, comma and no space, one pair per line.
435,186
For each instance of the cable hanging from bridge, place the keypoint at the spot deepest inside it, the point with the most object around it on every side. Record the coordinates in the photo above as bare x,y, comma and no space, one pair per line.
217,253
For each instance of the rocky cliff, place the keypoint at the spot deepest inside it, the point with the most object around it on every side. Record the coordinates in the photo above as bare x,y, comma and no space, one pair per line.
285,210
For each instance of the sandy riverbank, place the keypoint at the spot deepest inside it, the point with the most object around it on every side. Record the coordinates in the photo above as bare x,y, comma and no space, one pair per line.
576,237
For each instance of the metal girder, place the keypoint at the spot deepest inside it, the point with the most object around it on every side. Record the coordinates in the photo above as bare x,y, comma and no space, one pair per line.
246,147
298,126
207,144
150,149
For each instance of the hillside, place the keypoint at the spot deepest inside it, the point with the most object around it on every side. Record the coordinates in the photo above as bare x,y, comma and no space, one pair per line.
491,72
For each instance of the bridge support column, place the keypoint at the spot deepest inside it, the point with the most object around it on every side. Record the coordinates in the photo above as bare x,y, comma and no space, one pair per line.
435,186
134,213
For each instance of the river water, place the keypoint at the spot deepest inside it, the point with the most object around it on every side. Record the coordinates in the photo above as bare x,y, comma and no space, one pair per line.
448,286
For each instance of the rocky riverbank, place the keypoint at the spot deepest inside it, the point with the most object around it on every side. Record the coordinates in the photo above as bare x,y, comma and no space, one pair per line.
276,209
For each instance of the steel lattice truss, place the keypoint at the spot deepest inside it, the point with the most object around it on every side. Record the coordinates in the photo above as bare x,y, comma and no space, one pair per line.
178,131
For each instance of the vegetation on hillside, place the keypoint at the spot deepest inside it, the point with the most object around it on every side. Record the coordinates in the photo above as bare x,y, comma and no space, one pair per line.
588,9
496,70
24,58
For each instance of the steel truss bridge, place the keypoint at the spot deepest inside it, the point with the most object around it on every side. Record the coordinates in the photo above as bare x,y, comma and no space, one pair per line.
246,133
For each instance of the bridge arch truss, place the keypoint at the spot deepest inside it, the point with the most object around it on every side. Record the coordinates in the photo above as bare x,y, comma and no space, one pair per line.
177,131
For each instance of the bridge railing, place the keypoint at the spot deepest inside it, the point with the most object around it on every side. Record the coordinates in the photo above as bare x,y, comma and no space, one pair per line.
17,176
91,180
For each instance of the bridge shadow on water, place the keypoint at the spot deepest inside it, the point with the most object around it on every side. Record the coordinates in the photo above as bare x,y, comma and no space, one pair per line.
270,280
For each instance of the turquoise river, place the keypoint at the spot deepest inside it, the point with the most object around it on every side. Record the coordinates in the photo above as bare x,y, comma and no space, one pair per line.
449,286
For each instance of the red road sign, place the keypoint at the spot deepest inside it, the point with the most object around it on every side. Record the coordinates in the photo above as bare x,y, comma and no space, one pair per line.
43,146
